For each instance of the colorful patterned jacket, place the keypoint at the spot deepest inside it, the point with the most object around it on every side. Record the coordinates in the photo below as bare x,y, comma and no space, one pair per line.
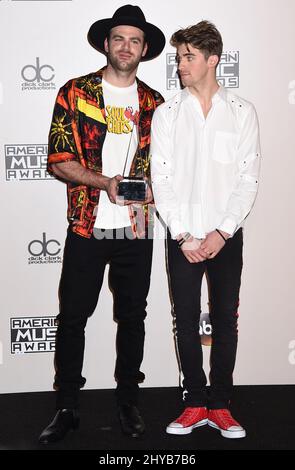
77,133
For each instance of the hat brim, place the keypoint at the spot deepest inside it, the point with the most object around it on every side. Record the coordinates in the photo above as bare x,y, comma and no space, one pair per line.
153,35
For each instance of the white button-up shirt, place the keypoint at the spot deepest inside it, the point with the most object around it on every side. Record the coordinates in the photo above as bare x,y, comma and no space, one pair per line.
204,170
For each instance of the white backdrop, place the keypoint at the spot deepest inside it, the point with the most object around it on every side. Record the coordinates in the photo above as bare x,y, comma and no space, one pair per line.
43,44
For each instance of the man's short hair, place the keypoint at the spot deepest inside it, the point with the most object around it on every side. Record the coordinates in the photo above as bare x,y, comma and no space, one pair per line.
203,36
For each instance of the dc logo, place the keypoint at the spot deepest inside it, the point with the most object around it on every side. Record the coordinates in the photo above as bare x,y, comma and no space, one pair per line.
32,73
44,247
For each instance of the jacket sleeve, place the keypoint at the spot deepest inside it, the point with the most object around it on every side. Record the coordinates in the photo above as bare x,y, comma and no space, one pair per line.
61,140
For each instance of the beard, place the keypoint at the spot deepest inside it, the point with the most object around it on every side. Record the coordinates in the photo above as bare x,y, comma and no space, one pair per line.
123,65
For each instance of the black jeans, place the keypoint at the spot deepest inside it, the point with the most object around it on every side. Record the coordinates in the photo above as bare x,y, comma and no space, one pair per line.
81,280
224,278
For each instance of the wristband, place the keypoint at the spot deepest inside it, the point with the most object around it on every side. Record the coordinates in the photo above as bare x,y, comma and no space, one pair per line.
222,236
183,239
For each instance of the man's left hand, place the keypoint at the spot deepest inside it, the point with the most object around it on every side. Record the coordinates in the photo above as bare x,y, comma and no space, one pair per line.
213,243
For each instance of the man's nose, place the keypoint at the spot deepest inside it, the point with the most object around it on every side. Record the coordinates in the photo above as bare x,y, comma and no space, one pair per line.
126,45
180,68
180,65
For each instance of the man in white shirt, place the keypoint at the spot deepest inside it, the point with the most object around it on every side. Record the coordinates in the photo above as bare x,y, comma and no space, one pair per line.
100,132
205,163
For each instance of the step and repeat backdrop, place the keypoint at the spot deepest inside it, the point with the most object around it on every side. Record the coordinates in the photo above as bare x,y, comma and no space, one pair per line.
42,45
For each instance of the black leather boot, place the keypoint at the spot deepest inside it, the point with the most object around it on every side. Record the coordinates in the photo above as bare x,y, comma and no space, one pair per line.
131,420
64,420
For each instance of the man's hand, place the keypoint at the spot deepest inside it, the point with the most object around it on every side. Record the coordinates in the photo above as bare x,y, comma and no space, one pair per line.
193,251
111,187
213,243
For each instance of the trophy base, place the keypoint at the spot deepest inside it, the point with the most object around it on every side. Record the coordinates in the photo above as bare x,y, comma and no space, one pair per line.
132,189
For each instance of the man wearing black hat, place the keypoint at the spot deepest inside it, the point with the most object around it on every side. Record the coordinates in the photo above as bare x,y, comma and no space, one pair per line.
100,132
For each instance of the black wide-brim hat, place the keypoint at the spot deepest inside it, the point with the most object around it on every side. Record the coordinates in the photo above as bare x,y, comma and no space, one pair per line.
131,16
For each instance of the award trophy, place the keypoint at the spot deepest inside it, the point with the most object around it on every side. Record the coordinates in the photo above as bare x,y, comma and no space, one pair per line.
132,188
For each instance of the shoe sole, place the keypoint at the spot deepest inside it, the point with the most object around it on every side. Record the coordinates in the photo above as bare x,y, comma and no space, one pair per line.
228,434
187,430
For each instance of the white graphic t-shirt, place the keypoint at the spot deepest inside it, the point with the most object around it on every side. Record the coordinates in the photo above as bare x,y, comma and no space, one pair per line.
121,105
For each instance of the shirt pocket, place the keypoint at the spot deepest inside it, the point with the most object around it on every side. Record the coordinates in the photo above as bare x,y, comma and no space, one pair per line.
225,147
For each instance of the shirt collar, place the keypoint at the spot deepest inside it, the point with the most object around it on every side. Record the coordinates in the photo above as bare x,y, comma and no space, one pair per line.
218,96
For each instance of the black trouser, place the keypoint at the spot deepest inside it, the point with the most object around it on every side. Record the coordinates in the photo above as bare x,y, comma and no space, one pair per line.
82,277
224,277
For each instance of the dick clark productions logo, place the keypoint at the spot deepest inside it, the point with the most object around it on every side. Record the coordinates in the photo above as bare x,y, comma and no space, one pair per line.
44,251
38,76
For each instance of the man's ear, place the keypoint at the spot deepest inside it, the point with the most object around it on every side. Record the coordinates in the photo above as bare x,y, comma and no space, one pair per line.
213,60
106,45
144,51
